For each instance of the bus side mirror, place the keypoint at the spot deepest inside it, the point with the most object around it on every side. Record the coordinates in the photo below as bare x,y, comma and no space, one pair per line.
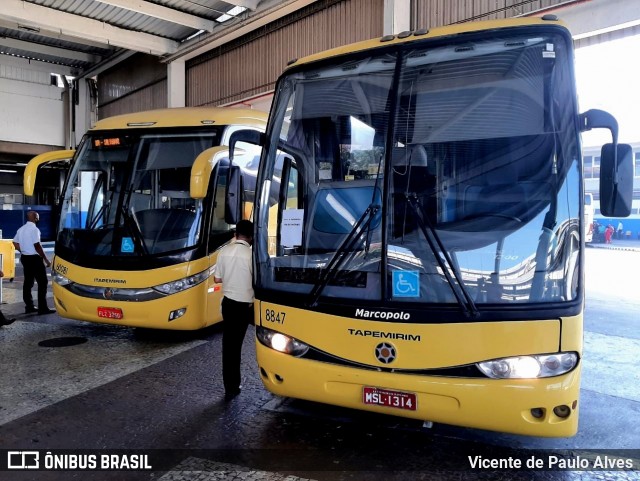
616,181
246,135
233,197
31,170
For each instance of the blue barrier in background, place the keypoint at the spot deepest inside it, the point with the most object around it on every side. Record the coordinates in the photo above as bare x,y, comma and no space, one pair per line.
11,220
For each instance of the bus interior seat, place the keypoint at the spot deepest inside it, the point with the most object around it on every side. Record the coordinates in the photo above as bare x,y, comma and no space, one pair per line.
165,229
337,206
502,199
412,174
507,185
140,202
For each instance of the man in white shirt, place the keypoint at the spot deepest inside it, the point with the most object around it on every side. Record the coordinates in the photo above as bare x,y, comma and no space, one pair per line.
234,268
33,260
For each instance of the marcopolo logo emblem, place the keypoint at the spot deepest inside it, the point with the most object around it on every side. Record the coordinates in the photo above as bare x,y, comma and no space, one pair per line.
385,352
23,460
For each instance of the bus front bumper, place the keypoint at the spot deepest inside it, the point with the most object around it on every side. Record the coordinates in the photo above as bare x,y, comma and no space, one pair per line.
153,314
519,406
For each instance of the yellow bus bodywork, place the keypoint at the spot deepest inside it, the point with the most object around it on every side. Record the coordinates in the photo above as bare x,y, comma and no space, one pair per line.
184,117
202,302
492,404
436,32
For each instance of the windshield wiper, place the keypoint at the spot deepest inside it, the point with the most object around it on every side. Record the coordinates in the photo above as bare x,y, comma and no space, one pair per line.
435,244
340,256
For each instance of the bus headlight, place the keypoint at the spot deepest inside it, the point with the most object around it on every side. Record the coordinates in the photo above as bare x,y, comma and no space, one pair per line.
60,279
182,284
281,342
529,367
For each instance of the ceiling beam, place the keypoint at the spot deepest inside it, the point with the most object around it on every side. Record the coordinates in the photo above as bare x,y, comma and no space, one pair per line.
48,50
33,15
37,65
189,50
107,63
53,33
163,13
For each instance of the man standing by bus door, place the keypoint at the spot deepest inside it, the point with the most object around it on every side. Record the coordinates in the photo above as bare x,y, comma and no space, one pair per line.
33,260
234,268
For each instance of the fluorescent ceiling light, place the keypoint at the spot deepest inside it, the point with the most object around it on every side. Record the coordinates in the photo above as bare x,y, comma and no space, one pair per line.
194,35
235,11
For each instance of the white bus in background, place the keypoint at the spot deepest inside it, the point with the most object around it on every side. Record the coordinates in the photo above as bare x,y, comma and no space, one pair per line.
588,217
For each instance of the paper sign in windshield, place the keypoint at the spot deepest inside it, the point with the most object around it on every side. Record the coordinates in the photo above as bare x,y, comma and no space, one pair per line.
291,227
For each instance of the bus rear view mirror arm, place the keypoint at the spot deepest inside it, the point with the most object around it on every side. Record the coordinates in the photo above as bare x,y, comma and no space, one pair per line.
246,135
599,119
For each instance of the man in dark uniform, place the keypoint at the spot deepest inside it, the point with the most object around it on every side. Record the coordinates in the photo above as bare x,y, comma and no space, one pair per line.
33,259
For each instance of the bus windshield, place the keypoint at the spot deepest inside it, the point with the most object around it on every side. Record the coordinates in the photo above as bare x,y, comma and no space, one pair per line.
127,195
430,173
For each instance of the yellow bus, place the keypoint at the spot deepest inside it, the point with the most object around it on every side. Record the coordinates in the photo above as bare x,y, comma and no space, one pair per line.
144,209
419,242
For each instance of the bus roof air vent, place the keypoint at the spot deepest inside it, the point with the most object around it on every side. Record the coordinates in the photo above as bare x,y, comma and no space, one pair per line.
405,34
421,31
387,38
140,124
292,61
550,17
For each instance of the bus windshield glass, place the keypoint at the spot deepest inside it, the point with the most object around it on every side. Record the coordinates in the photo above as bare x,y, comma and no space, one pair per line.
128,195
426,172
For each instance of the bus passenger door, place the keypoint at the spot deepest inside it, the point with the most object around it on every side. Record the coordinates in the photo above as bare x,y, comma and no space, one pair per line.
219,233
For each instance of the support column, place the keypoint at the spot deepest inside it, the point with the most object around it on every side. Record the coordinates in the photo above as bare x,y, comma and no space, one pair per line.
176,84
85,111
397,16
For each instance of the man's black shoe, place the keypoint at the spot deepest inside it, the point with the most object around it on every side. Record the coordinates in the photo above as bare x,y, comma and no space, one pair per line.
229,395
47,310
30,310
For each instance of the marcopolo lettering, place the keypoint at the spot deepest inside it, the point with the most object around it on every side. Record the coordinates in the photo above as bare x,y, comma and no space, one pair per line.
388,315
384,335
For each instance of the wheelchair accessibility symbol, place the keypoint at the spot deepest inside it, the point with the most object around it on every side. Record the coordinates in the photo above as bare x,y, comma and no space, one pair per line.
127,245
406,283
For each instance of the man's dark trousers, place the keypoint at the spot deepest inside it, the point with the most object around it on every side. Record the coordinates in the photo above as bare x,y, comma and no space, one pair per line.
237,316
34,270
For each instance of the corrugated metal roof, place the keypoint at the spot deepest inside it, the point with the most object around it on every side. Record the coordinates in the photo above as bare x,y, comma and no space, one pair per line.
120,17
25,39
102,28
210,9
